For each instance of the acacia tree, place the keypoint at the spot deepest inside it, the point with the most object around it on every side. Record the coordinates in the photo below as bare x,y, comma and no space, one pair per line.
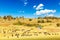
9,17
5,17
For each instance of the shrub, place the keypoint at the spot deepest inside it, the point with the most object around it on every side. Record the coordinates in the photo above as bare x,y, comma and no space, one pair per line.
12,35
4,17
9,17
17,35
38,21
42,21
30,19
58,24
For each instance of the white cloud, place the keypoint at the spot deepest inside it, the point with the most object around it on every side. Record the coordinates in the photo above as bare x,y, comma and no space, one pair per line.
34,6
50,15
40,6
45,11
25,3
40,10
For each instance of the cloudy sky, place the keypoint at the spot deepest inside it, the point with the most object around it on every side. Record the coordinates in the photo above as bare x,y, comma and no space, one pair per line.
30,8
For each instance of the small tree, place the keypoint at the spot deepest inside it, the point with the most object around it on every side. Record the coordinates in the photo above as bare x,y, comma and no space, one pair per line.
39,21
9,17
5,17
58,24
30,19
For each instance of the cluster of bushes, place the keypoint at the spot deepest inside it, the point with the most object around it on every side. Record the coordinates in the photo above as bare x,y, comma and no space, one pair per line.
47,17
50,17
8,17
40,21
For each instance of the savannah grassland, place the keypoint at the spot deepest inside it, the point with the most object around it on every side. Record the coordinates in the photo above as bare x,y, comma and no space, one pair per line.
47,28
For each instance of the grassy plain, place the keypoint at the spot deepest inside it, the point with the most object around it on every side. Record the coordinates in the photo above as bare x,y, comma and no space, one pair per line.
29,29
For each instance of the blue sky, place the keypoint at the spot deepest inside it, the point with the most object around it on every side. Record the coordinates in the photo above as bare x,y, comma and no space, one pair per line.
28,8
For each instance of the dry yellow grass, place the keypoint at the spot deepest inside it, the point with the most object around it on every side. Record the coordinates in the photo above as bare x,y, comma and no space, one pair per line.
23,30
